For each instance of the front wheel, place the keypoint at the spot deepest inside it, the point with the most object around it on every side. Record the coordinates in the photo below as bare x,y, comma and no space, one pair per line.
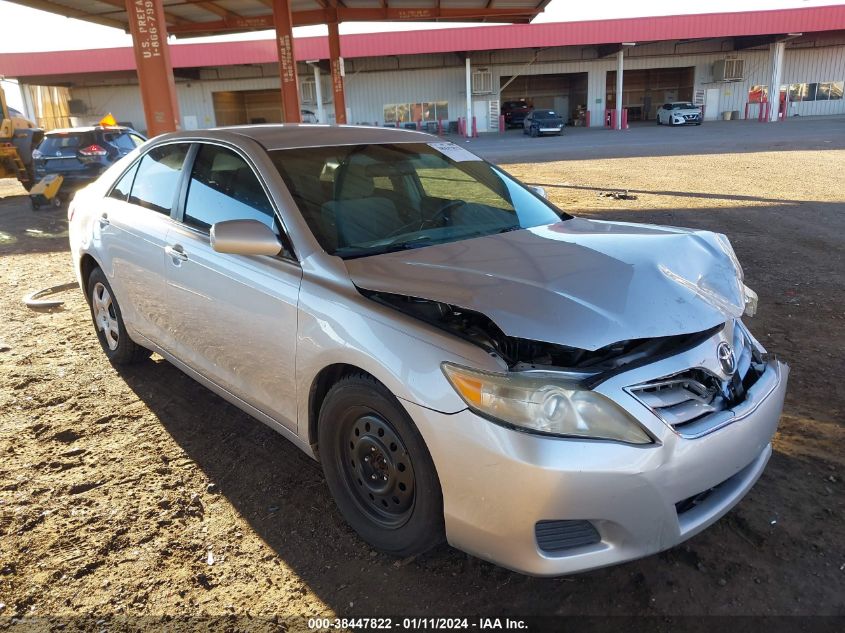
108,321
534,132
378,468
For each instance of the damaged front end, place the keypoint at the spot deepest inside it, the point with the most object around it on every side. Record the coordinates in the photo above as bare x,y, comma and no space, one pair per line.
524,354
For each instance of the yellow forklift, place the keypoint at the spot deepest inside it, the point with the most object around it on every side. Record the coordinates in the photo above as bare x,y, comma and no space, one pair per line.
18,137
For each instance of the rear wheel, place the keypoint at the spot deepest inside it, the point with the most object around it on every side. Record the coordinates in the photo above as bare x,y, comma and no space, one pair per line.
534,131
108,321
378,468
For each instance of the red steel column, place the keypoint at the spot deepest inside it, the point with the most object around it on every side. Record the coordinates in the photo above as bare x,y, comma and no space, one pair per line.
152,59
287,61
337,77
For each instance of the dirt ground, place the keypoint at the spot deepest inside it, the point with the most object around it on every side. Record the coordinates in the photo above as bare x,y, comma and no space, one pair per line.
141,494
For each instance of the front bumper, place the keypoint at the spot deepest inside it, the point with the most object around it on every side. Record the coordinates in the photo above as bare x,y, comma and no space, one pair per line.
499,483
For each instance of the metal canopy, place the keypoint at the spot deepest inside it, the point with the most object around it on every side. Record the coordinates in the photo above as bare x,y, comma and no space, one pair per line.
191,18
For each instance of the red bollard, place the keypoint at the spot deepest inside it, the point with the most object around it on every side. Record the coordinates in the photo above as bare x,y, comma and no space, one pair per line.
501,123
439,127
625,119
474,129
746,110
587,119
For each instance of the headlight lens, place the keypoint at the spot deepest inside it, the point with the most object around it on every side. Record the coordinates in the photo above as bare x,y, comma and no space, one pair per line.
750,301
543,404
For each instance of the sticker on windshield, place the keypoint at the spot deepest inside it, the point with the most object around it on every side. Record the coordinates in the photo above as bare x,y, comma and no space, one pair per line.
455,152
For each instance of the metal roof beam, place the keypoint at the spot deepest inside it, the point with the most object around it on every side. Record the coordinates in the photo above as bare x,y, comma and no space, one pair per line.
341,14
68,12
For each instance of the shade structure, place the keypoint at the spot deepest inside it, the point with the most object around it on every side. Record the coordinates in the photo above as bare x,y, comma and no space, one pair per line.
185,18
151,21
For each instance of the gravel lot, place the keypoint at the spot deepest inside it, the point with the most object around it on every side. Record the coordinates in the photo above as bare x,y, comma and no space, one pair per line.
142,494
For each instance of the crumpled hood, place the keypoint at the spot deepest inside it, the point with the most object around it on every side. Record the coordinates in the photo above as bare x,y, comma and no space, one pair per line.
580,283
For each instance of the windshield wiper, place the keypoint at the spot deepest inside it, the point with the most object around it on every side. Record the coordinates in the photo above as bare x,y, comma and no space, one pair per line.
417,242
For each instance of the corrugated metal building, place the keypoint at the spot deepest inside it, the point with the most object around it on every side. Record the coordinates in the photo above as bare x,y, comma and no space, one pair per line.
723,62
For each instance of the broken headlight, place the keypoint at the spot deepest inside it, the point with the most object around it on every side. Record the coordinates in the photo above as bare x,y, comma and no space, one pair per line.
750,301
544,404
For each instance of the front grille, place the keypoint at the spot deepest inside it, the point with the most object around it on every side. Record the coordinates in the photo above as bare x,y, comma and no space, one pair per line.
686,399
559,536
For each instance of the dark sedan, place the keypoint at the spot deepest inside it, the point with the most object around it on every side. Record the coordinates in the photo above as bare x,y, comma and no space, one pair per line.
541,122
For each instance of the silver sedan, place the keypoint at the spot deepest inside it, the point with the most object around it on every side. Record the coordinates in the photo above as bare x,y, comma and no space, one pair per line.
467,362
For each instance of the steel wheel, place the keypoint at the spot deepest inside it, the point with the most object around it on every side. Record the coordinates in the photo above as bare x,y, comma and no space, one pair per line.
105,316
378,470
378,467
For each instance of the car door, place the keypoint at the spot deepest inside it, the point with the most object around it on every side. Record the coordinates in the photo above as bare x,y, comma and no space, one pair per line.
234,317
133,224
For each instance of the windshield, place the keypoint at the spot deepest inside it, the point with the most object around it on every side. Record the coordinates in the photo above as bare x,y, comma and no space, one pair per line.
362,200
684,106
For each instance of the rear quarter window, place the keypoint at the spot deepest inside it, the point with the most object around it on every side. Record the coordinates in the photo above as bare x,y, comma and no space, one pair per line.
158,176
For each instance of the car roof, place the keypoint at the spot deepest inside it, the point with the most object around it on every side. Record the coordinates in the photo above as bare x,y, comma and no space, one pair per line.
87,128
291,135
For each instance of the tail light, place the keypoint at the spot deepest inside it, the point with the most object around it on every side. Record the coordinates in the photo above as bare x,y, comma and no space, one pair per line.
92,152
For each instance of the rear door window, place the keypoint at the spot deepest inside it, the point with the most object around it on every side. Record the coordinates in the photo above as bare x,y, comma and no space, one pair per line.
157,178
224,187
123,141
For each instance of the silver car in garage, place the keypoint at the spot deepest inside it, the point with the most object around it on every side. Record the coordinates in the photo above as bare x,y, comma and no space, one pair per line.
466,361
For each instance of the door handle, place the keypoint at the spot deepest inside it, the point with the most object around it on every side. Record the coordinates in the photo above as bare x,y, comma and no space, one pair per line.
104,221
176,252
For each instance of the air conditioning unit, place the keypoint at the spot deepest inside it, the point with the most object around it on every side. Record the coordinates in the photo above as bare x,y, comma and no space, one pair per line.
482,81
728,70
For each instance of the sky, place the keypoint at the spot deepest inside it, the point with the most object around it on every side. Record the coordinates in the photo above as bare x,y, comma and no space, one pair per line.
56,33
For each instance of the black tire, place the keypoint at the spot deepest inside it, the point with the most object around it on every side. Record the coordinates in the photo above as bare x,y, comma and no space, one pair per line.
658,121
534,132
119,348
34,204
378,468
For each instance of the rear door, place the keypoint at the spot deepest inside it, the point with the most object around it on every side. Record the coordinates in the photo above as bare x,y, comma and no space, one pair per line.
233,317
133,225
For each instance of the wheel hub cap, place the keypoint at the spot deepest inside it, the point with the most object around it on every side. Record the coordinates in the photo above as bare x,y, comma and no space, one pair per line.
379,470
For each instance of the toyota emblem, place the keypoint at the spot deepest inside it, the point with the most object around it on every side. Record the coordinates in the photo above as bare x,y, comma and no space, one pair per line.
727,360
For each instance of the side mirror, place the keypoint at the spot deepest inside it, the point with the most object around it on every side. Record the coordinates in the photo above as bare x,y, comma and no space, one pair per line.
244,237
540,191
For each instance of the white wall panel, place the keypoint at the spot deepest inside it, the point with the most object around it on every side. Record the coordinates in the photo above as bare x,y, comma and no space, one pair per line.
372,83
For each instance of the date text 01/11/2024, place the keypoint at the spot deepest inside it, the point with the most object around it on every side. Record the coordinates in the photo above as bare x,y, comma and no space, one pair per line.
417,624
